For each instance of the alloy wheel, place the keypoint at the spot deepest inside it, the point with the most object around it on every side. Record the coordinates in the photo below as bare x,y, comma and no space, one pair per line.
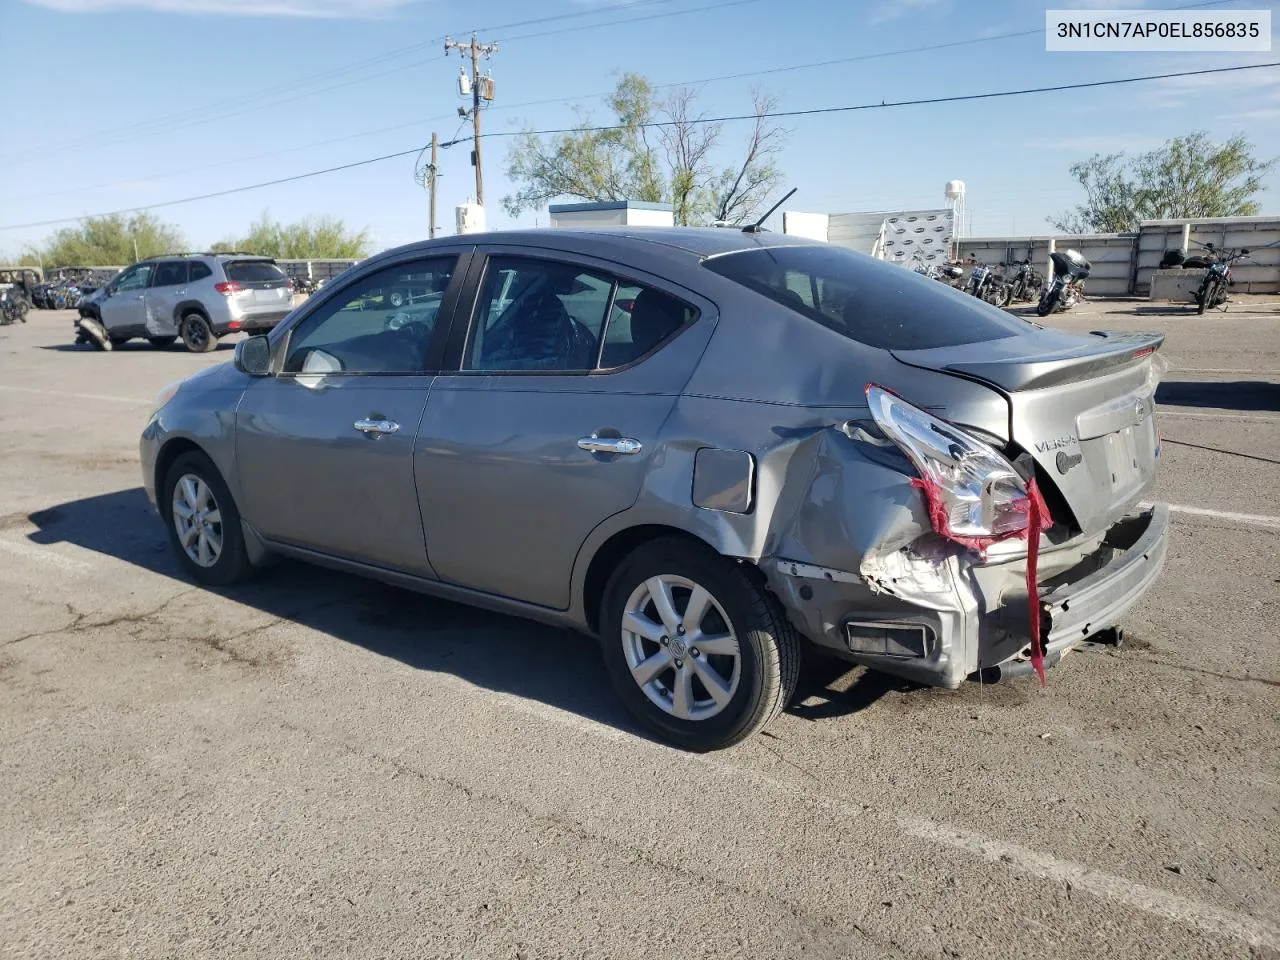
680,647
197,520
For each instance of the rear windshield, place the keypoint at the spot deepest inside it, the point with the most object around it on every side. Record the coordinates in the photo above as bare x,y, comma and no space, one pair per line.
874,302
253,271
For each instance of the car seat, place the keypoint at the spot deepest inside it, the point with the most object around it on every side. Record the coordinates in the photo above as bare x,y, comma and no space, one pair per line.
654,317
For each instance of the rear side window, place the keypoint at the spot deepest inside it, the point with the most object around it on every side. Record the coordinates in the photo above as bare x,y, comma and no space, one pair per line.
253,271
551,316
170,274
873,302
199,271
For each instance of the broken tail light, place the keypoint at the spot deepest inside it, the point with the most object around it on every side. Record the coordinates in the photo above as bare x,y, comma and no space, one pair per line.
975,495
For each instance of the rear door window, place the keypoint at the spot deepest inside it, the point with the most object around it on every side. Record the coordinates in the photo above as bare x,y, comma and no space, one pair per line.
551,316
171,273
253,271
868,300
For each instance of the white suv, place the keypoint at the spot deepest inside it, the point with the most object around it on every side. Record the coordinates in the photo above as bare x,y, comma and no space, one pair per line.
195,297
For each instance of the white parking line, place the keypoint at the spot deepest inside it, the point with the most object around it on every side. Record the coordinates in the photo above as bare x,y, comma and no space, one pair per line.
1260,373
1105,886
1162,413
75,396
1257,519
44,555
1160,903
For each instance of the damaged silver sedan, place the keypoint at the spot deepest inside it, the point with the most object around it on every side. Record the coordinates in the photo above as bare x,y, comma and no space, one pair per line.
711,449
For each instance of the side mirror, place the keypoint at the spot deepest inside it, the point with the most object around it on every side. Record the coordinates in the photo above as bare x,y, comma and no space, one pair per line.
253,356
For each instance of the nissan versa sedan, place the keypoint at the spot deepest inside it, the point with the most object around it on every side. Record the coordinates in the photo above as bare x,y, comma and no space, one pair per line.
711,449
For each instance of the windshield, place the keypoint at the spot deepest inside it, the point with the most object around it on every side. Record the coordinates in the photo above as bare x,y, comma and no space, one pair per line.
873,302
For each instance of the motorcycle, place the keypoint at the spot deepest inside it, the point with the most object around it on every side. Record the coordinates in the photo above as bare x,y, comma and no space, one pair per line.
1217,277
13,308
985,284
1026,283
1070,270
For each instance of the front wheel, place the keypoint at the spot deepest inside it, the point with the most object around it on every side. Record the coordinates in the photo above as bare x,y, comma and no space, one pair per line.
204,523
197,335
1047,303
697,650
1203,296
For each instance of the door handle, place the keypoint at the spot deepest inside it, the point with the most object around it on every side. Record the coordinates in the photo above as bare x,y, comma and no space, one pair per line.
376,428
596,444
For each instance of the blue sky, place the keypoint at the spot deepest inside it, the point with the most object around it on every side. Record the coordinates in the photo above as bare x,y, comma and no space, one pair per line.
134,102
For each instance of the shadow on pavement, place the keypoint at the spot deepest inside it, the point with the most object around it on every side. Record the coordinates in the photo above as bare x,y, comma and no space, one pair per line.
505,654
1221,395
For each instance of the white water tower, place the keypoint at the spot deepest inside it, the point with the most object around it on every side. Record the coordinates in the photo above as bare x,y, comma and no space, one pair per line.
470,217
955,200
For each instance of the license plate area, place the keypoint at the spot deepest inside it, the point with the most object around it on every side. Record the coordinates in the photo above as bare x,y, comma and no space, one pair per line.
1120,452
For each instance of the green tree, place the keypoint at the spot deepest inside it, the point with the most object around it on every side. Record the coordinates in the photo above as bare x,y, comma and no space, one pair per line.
1189,176
313,238
107,241
657,150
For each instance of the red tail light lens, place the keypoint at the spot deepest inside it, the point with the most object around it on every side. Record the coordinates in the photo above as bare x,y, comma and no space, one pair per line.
227,289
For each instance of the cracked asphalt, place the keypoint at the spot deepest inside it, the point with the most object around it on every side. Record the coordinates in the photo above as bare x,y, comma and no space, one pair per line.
315,764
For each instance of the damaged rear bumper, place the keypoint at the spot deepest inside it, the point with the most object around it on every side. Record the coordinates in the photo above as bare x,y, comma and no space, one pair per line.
939,619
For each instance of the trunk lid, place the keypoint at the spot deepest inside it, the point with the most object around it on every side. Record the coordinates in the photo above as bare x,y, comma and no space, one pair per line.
263,286
1081,406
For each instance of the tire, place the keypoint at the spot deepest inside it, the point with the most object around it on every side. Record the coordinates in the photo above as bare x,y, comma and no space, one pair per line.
759,665
161,341
92,331
222,541
395,298
1202,299
1047,304
197,335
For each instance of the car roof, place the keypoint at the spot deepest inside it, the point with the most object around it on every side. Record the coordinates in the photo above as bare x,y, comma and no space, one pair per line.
694,243
226,255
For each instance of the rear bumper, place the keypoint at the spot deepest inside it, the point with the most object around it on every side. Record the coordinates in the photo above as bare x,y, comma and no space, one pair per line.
942,618
251,322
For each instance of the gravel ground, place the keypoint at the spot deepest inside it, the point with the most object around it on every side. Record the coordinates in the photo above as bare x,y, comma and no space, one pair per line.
316,764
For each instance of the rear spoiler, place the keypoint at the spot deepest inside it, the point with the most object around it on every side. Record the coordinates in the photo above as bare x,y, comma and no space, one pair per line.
1114,349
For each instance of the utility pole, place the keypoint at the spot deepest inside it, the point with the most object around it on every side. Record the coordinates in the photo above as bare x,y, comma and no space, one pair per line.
431,181
481,88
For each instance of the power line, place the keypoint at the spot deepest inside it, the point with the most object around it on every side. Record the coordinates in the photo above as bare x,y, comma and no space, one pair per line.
212,111
776,114
557,100
633,4
927,101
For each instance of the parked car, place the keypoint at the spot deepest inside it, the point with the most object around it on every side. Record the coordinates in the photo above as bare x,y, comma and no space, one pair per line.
198,298
778,444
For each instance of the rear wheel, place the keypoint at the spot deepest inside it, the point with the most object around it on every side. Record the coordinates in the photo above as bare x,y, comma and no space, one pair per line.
161,341
204,524
697,650
197,334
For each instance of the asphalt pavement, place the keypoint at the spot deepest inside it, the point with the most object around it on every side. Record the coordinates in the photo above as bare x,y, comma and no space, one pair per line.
314,764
